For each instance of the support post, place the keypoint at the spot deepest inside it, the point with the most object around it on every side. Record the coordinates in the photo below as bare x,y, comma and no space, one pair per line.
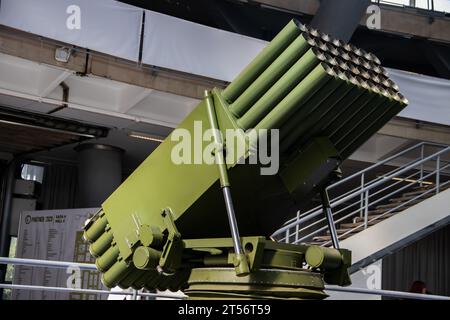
366,210
6,218
361,211
422,153
297,228
438,173
240,263
329,217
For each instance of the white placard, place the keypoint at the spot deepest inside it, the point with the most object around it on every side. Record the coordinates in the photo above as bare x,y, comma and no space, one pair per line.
429,97
197,49
54,235
102,25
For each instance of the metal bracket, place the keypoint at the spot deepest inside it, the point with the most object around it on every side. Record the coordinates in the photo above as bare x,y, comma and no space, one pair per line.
172,251
240,259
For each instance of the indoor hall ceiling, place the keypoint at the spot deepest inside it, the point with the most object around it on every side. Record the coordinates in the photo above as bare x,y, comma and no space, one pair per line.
24,133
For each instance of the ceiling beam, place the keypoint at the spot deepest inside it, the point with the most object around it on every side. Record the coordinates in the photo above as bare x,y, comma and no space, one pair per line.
401,127
50,79
394,19
34,48
131,96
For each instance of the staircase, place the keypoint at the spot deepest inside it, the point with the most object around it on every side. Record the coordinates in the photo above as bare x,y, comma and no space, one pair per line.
380,213
391,188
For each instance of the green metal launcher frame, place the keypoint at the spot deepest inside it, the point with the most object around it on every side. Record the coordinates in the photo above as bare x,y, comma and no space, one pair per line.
168,227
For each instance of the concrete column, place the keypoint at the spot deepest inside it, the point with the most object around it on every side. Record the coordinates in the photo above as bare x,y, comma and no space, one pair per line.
6,218
340,18
99,173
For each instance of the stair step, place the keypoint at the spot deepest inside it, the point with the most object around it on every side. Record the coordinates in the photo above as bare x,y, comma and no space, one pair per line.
424,187
415,193
328,238
344,230
357,224
404,199
395,204
373,217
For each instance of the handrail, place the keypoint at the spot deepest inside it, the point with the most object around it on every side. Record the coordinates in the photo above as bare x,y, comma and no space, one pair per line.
65,265
386,293
135,293
430,5
47,263
376,165
364,192
89,291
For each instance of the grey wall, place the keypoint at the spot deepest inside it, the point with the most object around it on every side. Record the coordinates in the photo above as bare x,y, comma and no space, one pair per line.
427,260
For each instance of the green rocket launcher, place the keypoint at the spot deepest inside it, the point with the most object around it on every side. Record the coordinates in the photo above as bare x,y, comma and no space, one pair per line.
202,226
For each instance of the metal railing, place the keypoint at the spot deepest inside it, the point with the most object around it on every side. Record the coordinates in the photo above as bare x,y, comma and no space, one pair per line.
429,5
135,293
375,192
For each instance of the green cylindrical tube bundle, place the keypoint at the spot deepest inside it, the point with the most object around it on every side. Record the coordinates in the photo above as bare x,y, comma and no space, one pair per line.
392,84
375,58
366,65
375,79
377,69
152,280
345,56
273,73
386,84
145,258
299,95
358,117
279,90
321,45
145,276
337,91
338,43
288,132
326,37
310,39
321,257
348,112
164,283
261,62
107,259
339,105
363,124
364,74
372,128
115,274
96,229
180,280
333,50
140,282
347,47
384,72
314,32
99,246
357,51
367,56
130,278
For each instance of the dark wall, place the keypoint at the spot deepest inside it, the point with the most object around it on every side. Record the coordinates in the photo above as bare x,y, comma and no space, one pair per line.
427,260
